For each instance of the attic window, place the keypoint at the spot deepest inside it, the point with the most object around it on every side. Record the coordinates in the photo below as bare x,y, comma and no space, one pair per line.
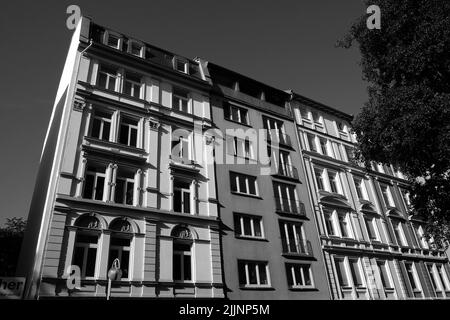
135,48
113,40
181,65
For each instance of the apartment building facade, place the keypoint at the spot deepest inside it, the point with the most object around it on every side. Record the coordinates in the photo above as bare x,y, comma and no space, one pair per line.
205,183
372,248
116,189
270,247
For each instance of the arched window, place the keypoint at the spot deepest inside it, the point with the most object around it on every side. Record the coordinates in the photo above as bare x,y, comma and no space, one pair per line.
182,254
120,244
86,244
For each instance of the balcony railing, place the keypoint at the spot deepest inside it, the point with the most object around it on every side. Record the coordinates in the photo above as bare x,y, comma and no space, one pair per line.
301,247
290,206
279,137
288,171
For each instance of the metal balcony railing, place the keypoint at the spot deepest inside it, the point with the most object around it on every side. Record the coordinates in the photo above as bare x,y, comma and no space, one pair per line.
300,247
290,206
288,171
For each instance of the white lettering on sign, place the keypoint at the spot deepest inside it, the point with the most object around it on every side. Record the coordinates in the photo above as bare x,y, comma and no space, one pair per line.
11,288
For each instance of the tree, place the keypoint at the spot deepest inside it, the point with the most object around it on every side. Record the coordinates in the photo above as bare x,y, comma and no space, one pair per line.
10,242
406,121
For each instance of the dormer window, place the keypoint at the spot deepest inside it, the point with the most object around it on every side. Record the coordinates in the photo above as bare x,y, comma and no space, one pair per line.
136,48
181,65
113,40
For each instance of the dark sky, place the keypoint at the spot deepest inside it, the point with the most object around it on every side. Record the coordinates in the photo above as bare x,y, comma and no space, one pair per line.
286,44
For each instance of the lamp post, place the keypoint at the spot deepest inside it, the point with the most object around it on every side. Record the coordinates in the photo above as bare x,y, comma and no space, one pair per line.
114,274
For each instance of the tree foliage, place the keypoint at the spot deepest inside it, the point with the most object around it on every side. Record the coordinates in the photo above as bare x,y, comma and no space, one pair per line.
406,121
11,237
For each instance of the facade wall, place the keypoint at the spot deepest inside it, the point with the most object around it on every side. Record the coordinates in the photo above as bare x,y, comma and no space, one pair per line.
362,216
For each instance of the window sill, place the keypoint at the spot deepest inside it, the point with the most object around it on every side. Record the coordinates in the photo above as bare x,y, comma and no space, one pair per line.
256,287
246,195
251,238
237,122
303,288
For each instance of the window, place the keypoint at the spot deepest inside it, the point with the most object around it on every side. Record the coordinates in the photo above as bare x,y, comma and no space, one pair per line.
304,113
329,224
135,48
344,225
248,226
132,85
319,179
356,272
253,274
323,147
285,167
420,234
236,114
292,238
85,253
286,198
101,125
108,78
120,249
341,272
299,275
94,183
361,189
181,196
316,117
341,127
181,65
380,168
113,40
181,148
240,147
180,100
412,276
398,231
349,152
371,228
182,266
124,188
443,277
335,185
242,183
387,196
433,278
312,142
383,268
128,131
276,127
405,195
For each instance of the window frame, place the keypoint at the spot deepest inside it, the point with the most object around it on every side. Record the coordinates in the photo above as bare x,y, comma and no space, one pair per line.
291,275
254,219
237,176
242,114
258,264
182,254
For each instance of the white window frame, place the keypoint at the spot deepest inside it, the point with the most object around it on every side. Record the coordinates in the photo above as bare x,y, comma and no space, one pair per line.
443,276
402,239
177,60
86,247
359,270
184,191
180,99
132,42
109,76
94,187
363,189
328,179
258,265
420,234
242,117
253,221
348,223
107,34
124,191
239,176
291,267
129,128
388,273
415,276
120,250
181,255
135,86
297,237
390,199
372,220
102,124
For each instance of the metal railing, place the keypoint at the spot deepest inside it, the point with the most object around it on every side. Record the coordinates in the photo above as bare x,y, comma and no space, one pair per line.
290,206
301,247
288,171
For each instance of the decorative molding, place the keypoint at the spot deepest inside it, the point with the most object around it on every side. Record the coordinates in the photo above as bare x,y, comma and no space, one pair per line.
79,105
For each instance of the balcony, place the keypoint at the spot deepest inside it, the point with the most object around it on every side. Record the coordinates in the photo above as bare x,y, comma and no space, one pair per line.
301,248
282,138
288,206
287,171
